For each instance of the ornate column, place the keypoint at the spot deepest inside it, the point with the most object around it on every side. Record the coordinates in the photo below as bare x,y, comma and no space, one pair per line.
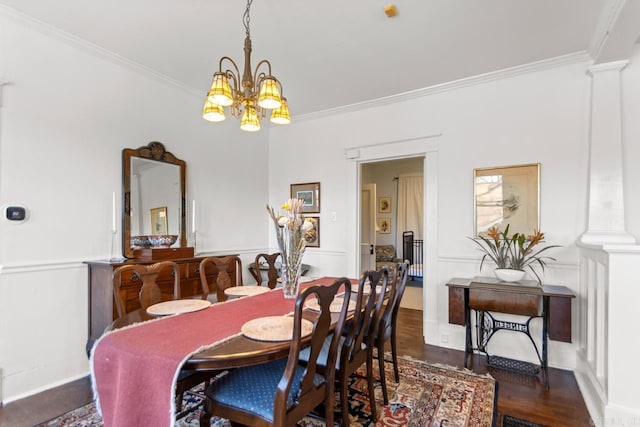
605,220
609,265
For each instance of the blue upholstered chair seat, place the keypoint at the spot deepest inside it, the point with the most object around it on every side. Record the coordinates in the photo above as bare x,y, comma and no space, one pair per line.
253,388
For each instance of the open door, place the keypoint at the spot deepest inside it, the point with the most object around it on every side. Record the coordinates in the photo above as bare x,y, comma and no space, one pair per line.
367,227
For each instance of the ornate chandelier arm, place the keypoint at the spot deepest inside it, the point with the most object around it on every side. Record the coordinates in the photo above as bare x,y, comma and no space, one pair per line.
259,77
229,73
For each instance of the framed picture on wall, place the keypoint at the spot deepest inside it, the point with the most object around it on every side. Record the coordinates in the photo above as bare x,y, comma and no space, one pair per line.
312,237
309,192
384,225
159,220
507,195
384,205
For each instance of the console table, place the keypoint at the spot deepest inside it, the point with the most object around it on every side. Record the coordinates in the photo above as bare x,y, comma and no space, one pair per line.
525,298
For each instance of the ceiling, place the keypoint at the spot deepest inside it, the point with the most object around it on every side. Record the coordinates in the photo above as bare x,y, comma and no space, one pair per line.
329,53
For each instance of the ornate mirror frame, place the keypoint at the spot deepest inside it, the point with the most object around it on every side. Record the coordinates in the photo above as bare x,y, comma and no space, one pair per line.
154,151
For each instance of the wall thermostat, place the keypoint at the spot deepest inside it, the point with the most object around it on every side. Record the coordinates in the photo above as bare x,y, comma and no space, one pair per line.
16,213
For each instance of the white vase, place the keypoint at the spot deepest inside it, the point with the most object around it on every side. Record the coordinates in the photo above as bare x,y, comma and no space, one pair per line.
508,275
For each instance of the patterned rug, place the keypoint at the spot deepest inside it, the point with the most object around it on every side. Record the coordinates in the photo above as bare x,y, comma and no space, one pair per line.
427,395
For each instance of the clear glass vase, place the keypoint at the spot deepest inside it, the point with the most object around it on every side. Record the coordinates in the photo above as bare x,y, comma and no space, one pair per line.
290,280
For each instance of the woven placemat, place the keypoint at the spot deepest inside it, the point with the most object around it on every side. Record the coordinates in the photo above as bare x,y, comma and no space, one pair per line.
274,328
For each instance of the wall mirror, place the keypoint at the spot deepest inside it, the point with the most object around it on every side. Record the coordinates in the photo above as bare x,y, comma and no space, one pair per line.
154,188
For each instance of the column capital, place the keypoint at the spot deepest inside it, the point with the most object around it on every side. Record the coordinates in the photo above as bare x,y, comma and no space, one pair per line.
607,66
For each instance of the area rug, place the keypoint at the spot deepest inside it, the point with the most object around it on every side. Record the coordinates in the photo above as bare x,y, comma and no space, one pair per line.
427,395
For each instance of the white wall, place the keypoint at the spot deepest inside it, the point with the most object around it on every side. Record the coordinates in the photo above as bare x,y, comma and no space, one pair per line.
538,117
66,115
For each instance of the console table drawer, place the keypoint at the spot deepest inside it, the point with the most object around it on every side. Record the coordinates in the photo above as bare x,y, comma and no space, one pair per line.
505,302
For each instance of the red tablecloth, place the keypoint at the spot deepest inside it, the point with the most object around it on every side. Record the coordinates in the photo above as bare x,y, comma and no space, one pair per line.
134,369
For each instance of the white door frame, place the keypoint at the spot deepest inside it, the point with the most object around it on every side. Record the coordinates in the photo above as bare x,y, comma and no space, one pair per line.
372,225
426,146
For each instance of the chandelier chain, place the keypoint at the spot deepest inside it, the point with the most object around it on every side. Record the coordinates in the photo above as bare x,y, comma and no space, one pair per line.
246,18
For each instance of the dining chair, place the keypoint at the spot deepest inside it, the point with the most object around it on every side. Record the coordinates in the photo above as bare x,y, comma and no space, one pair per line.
281,392
150,292
227,265
386,330
356,344
272,270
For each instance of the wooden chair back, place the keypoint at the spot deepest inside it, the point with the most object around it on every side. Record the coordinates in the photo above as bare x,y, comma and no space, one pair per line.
357,346
150,292
299,385
272,271
357,340
311,392
401,275
226,266
387,325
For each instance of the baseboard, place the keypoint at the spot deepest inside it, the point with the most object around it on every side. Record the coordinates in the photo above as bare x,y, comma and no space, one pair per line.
592,393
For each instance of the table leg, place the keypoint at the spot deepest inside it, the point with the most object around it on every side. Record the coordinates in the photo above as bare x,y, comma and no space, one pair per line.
545,330
467,324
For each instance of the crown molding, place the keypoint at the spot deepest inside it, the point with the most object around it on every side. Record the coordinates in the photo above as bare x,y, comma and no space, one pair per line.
94,49
607,66
518,70
606,21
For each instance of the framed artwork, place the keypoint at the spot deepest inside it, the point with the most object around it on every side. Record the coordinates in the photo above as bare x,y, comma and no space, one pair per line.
508,195
384,204
310,193
384,225
312,237
159,220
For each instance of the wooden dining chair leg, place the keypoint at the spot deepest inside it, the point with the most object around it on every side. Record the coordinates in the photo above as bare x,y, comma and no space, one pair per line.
343,385
205,417
394,355
370,384
383,376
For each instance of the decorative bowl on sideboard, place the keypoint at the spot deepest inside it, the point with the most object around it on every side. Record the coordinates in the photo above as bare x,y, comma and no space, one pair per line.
162,240
140,242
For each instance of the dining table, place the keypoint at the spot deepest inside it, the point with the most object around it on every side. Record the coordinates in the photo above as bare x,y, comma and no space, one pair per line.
135,364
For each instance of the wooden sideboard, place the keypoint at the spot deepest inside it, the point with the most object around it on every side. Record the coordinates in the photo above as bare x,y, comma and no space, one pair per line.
102,308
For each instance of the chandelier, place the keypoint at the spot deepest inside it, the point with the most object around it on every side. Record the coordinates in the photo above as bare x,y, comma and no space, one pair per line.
249,98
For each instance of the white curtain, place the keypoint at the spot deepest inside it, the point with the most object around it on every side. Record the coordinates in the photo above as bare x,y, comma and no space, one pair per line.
410,207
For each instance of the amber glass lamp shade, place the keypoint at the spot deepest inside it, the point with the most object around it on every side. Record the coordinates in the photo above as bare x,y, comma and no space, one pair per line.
281,115
212,112
250,122
220,92
269,96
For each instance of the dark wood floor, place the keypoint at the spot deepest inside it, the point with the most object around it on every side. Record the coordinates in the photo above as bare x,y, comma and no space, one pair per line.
518,396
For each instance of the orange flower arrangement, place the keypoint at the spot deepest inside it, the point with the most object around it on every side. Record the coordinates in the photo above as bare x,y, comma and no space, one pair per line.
515,252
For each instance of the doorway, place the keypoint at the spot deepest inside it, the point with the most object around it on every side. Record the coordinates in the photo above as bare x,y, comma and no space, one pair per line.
397,188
